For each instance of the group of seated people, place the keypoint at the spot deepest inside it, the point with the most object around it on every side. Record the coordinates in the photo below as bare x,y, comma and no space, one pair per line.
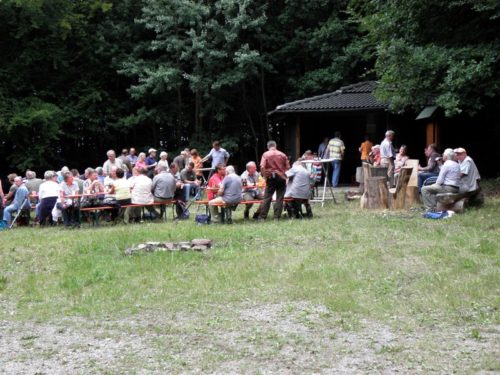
456,173
452,172
124,187
225,187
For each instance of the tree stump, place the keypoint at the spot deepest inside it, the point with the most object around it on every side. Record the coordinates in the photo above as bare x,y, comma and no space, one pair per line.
371,171
398,194
376,193
360,179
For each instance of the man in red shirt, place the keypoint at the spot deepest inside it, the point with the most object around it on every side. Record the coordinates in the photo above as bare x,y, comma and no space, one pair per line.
215,181
273,166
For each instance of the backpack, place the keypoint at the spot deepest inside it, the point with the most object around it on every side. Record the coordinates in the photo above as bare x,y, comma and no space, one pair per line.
202,219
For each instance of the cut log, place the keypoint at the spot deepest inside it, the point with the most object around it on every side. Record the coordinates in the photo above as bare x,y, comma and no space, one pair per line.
412,194
457,206
360,179
371,171
376,193
397,195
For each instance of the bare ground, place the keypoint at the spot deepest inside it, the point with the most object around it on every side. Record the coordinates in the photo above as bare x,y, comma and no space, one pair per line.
293,338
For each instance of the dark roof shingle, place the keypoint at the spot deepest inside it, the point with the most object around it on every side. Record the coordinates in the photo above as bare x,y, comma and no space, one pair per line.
357,97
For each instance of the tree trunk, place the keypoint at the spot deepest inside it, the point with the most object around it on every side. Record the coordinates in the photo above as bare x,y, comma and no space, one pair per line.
264,96
250,122
179,114
376,193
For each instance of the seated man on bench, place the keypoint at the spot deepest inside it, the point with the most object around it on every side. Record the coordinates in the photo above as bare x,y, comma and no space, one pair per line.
20,201
229,193
299,189
448,181
250,181
469,177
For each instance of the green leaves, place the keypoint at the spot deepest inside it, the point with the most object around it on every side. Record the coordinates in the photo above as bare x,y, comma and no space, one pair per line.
440,51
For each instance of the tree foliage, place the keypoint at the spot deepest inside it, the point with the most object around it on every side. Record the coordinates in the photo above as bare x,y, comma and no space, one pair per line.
445,52
79,77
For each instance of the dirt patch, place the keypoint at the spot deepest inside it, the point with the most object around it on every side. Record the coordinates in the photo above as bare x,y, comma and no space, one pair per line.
285,338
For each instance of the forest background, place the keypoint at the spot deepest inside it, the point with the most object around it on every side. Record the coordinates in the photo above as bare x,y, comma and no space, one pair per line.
78,77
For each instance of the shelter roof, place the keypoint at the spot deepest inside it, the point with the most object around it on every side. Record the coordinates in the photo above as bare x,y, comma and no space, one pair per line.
355,97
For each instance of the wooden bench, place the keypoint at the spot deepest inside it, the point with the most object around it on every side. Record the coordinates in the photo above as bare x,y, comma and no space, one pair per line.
458,202
228,208
96,209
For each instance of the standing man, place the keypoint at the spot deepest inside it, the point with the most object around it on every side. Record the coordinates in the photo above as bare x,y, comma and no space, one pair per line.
387,155
365,148
273,167
448,181
336,149
323,148
217,154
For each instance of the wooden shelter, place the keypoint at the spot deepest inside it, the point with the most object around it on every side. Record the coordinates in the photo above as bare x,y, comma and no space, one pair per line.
355,112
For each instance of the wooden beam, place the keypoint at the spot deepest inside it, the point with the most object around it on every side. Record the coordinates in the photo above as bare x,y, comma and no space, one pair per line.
433,133
297,139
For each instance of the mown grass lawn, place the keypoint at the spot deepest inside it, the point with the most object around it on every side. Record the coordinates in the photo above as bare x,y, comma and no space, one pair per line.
346,270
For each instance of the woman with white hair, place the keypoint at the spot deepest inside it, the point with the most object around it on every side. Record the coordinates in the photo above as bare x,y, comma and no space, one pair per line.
48,195
141,162
448,181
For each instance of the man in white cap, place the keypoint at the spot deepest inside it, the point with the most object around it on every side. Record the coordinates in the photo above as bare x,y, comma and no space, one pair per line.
468,171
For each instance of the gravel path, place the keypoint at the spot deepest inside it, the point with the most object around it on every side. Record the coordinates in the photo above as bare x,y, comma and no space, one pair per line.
297,338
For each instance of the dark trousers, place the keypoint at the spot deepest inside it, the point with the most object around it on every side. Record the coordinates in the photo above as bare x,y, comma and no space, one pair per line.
71,215
273,184
46,206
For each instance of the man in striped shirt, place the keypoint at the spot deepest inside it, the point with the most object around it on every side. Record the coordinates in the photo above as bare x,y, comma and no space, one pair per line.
336,150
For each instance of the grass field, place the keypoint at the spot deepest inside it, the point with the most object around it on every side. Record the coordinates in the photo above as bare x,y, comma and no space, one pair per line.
350,291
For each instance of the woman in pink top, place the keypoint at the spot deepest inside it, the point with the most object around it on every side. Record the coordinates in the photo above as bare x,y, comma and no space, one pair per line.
401,159
141,162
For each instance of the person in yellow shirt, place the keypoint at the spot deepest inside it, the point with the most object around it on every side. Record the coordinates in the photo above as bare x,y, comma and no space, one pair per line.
365,149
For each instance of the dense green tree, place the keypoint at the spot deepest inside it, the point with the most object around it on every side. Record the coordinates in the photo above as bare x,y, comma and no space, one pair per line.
445,52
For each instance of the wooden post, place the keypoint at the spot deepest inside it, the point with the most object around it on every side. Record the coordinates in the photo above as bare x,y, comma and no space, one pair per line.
297,139
376,193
